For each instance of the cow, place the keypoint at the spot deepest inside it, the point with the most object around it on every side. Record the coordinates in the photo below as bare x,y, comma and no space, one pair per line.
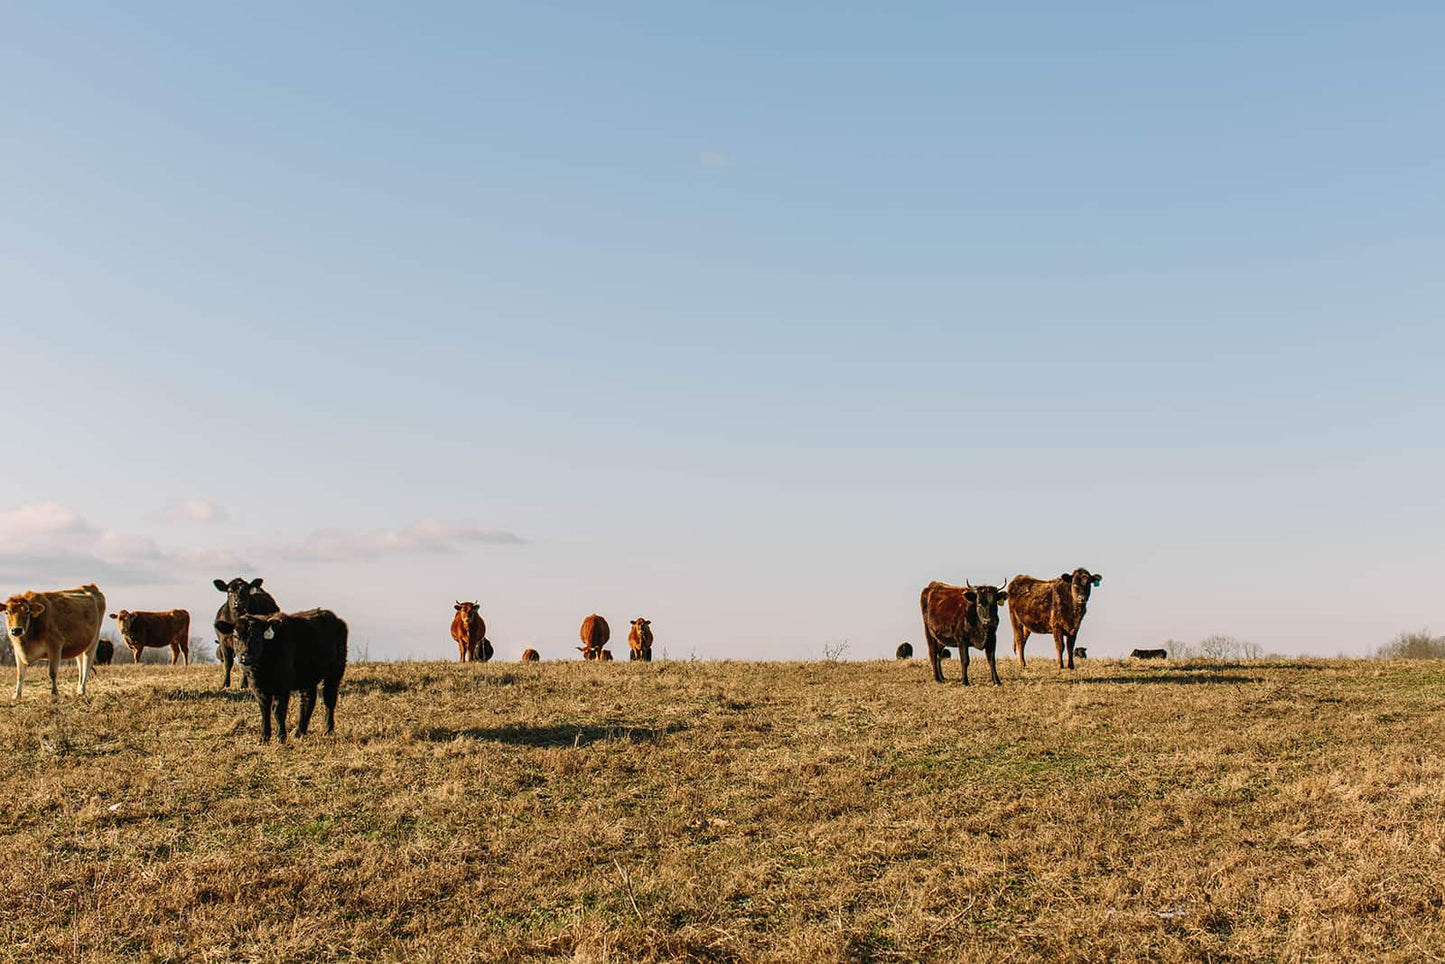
1080,653
531,656
904,651
965,616
1053,606
104,652
291,652
639,640
595,634
606,656
243,598
1149,654
54,626
470,633
159,629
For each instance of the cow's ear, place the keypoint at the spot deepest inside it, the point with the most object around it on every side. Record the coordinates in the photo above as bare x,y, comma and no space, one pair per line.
1001,596
36,607
256,583
111,616
225,628
219,584
1067,577
970,596
458,607
1097,579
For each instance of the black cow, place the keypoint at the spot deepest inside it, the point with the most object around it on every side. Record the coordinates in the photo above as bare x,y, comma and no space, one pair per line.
292,652
1080,653
104,652
904,651
1149,654
243,598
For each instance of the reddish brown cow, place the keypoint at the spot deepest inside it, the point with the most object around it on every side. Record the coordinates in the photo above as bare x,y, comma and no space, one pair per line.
962,616
531,656
639,640
470,632
171,627
1053,606
54,626
595,634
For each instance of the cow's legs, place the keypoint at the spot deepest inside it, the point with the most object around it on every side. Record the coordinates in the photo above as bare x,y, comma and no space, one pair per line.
227,657
283,700
175,654
963,658
308,704
55,674
990,648
1069,642
19,677
265,703
329,688
186,652
1021,636
1059,647
83,661
933,657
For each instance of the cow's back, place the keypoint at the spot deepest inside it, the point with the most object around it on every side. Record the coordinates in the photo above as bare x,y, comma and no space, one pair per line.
318,641
72,617
1031,602
945,609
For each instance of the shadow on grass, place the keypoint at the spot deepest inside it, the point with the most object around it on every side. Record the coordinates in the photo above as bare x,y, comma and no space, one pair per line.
1178,678
231,695
561,734
368,685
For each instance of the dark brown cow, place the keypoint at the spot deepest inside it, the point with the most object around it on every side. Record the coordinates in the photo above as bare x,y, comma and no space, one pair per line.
1052,606
470,632
595,634
531,656
54,626
639,640
1080,653
104,652
606,656
171,627
963,616
904,651
1149,654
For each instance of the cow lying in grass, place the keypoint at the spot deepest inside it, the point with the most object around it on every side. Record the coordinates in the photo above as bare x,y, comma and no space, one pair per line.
291,652
963,616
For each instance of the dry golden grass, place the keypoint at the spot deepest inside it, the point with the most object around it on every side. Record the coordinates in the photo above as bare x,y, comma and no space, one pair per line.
730,811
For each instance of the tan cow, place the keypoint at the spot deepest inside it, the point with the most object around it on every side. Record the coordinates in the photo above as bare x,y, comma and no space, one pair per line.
1052,606
595,634
639,640
158,630
54,626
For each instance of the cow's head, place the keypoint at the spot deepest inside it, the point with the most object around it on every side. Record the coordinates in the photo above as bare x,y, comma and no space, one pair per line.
238,593
642,625
123,620
985,600
20,612
468,609
252,637
1080,582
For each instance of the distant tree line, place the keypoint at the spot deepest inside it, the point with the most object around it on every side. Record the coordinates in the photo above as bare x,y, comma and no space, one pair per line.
1413,645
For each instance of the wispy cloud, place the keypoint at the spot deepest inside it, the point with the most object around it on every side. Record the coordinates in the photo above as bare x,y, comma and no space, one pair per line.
426,536
714,161
51,543
192,510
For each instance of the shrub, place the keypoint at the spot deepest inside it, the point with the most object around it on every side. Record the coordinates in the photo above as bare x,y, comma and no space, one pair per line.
1413,645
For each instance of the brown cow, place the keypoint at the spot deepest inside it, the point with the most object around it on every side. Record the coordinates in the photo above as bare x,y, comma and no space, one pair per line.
595,634
160,629
964,616
639,640
1053,606
54,626
530,656
470,632
606,656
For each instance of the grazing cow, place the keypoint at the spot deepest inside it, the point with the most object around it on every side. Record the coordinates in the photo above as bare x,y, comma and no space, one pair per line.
1053,606
531,656
243,598
904,651
470,632
1149,654
169,628
292,652
639,640
104,652
1080,652
595,634
54,626
965,616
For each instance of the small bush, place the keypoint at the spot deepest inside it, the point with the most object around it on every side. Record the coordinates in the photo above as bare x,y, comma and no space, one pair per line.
1413,645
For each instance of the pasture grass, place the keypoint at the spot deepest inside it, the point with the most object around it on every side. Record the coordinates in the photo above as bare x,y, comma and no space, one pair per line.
735,811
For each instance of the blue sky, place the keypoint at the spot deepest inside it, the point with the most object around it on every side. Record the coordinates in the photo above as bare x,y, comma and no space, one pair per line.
750,321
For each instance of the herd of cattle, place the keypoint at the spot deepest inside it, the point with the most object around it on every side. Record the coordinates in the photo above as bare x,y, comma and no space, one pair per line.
303,652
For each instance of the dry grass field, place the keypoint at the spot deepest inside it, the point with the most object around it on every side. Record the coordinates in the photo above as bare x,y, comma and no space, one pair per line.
730,811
